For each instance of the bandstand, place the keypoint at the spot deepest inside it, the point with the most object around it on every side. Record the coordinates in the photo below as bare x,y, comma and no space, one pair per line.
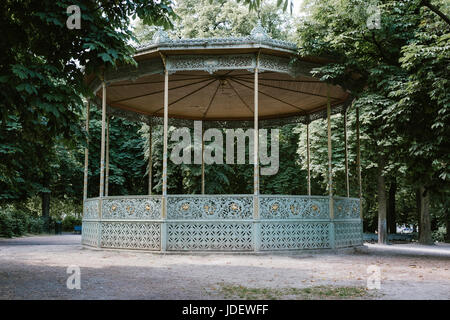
251,82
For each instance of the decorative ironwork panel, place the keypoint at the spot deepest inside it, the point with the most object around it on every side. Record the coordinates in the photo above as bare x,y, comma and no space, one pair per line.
148,207
91,209
210,236
266,123
131,235
90,233
348,234
195,207
275,63
210,63
293,207
346,208
221,222
294,235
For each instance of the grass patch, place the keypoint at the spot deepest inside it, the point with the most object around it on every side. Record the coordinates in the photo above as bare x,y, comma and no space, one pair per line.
309,293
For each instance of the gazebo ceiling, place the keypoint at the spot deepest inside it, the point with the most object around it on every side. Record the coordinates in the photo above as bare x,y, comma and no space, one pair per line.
223,95
213,79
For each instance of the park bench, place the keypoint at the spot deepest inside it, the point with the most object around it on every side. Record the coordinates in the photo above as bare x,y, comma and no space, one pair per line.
372,237
77,229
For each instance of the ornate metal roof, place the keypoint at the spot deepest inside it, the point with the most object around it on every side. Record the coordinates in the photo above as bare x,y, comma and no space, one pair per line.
213,80
257,36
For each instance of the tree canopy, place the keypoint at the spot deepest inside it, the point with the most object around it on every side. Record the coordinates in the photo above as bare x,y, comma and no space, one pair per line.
42,69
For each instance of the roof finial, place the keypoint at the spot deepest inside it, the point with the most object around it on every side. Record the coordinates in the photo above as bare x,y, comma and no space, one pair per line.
160,36
259,32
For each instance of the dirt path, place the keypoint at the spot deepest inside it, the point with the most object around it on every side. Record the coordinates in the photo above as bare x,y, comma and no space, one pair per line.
35,268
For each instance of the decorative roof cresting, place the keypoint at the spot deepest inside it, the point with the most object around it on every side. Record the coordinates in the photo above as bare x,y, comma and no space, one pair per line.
259,32
160,36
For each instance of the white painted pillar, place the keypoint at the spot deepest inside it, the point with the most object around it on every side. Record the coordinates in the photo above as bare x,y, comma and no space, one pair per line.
346,154
256,138
330,172
164,173
358,161
203,161
150,160
102,149
165,132
107,158
86,154
256,217
308,158
330,167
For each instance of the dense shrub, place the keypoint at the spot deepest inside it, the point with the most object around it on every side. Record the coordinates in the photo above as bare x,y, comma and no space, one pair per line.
69,222
439,235
6,224
36,225
20,222
16,223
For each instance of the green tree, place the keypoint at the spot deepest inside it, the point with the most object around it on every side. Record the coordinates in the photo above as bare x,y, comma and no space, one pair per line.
375,64
221,18
424,103
42,70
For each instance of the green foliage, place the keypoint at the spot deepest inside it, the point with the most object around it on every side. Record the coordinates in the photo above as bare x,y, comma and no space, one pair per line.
42,68
127,164
42,81
59,206
16,223
69,222
221,18
439,234
398,75
308,293
424,101
291,177
257,4
6,225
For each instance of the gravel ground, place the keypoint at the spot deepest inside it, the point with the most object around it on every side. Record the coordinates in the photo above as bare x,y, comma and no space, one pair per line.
36,268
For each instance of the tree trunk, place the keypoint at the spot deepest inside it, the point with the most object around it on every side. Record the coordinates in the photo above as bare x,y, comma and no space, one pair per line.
392,225
418,206
436,10
425,223
45,207
382,226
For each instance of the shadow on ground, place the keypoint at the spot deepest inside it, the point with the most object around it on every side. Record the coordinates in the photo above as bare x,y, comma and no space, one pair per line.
36,268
